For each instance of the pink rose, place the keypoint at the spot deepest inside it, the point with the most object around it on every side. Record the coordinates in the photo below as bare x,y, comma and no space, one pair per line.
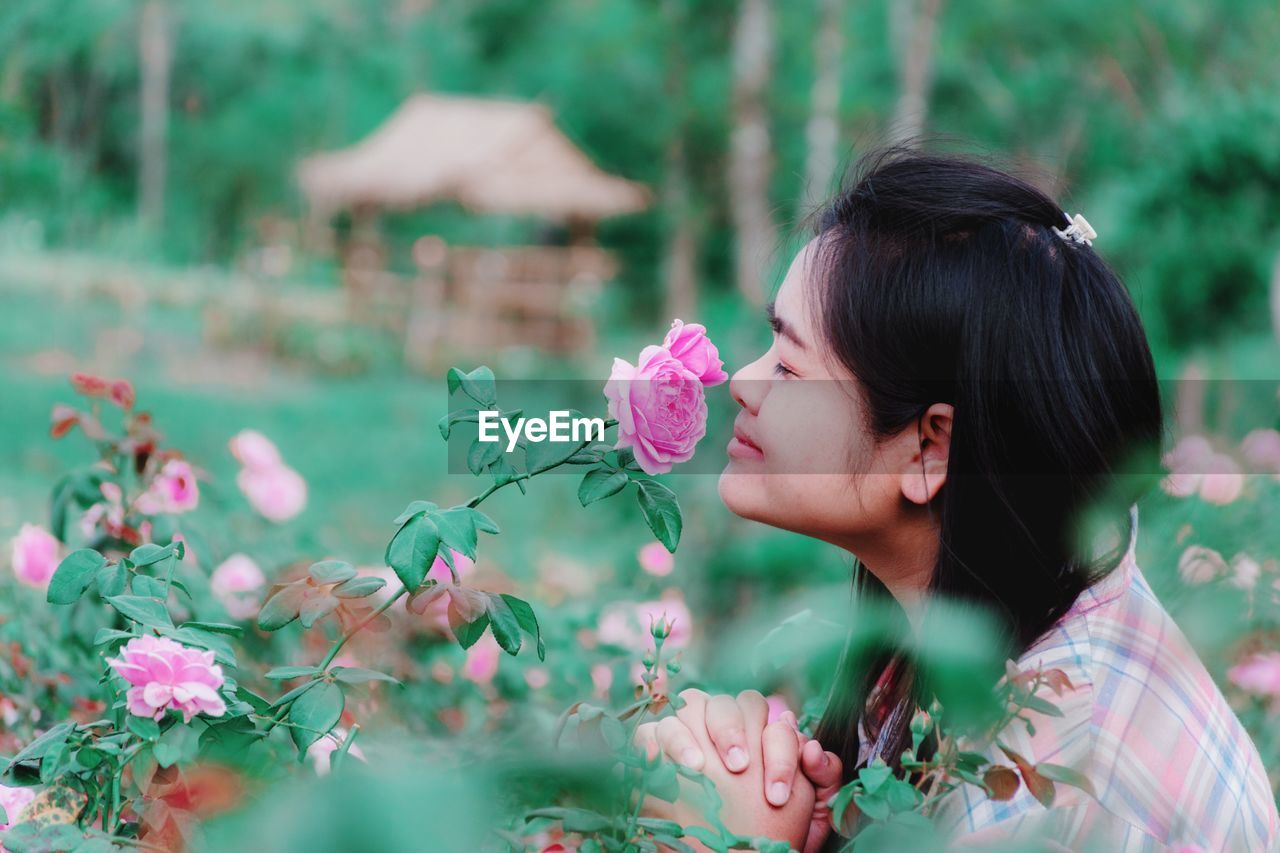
108,512
278,493
1199,565
1223,482
660,407
1259,673
1186,462
254,450
1245,571
1261,448
14,801
235,583
35,555
321,752
777,706
656,559
689,344
481,664
601,679
165,675
173,490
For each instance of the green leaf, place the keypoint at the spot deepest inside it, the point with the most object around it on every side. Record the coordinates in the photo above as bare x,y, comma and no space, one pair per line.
873,806
282,607
506,627
73,576
317,606
357,675
413,549
1044,706
56,736
575,820
479,385
482,454
108,635
178,743
468,632
284,673
457,528
544,455
315,713
359,587
414,508
143,610
599,484
527,620
709,837
148,586
332,571
216,628
112,579
144,727
661,512
445,424
146,555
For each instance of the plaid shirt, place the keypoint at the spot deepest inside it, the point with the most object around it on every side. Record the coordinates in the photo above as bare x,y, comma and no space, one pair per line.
1169,760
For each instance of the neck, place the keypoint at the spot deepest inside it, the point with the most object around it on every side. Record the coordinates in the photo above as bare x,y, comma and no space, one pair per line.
903,560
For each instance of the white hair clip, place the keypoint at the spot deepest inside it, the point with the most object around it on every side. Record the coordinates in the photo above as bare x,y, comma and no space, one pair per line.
1078,230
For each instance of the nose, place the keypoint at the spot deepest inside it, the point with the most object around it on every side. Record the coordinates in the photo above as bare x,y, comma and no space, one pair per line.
749,384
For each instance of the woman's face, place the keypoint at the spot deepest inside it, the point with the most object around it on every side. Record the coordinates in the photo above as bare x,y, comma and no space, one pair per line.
815,468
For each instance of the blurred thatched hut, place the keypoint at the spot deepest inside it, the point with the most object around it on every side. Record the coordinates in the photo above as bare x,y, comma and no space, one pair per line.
492,157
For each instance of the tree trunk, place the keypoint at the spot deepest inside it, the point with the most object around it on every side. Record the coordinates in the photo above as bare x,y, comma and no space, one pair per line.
823,132
750,155
915,68
680,253
155,50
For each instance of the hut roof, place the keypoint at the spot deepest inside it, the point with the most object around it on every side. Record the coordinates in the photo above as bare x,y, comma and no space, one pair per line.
492,156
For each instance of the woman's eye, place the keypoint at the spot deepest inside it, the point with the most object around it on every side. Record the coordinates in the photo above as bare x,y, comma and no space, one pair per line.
781,369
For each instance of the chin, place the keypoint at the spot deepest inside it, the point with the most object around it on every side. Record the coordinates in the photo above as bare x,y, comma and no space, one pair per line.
741,493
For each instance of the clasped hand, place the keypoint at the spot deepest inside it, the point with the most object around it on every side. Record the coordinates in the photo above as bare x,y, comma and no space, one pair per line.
774,780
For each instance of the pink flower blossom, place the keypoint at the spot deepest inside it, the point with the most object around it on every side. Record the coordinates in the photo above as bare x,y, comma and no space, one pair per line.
536,677
1261,449
278,493
14,800
481,664
35,555
656,559
235,583
165,675
172,490
1199,565
601,679
689,343
627,624
1223,481
777,706
254,450
1259,673
660,407
321,752
1186,463
108,512
1245,571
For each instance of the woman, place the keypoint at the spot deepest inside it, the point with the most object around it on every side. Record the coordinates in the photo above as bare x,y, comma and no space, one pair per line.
952,333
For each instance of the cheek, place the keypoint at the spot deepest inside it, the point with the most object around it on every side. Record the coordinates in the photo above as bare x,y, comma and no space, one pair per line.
808,481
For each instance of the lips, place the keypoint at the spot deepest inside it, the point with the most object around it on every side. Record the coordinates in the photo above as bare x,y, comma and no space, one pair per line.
745,438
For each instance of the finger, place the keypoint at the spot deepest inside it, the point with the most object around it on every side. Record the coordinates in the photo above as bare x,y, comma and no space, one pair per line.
823,768
755,711
790,719
781,758
727,730
677,742
646,739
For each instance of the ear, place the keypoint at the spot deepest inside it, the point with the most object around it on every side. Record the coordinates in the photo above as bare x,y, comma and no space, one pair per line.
930,442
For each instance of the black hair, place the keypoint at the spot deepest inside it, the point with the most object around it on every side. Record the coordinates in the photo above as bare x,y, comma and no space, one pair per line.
942,280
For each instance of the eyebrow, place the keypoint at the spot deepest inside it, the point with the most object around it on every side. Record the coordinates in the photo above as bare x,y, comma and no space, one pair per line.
781,327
